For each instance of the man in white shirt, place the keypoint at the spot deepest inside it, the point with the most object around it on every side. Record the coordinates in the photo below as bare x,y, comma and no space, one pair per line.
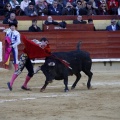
24,4
113,26
14,36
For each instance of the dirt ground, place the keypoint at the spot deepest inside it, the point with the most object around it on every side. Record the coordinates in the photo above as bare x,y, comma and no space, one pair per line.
102,102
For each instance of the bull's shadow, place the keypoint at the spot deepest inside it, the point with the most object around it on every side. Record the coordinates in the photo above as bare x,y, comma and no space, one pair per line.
60,65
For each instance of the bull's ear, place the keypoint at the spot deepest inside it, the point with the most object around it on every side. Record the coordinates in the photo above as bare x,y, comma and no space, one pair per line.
51,64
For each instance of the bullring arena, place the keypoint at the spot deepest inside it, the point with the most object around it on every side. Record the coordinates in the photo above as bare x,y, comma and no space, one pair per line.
101,102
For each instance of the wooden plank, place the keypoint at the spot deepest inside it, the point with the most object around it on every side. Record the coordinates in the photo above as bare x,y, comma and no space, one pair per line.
69,17
69,27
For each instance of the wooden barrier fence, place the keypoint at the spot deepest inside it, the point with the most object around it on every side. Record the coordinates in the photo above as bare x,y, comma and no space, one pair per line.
67,17
100,44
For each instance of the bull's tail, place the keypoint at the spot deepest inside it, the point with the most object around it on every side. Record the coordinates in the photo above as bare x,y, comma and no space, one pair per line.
78,45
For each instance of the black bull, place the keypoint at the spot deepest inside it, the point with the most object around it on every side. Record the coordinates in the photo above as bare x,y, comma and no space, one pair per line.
55,68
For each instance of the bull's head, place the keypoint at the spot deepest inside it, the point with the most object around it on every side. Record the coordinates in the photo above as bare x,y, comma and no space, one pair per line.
49,70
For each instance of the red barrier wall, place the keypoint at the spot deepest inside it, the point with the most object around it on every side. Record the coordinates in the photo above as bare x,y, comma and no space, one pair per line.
100,44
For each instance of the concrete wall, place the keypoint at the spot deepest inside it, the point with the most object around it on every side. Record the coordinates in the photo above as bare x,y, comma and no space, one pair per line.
106,66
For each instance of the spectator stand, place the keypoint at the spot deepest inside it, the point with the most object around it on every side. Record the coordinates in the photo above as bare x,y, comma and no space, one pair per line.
100,22
103,45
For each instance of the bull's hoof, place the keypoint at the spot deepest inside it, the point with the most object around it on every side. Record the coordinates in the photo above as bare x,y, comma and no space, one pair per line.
42,89
72,88
66,90
88,86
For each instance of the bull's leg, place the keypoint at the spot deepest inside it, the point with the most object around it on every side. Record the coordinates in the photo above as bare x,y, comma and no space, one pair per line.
89,74
66,84
44,86
78,76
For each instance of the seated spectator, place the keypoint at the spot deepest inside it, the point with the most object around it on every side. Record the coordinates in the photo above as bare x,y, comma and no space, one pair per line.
31,10
118,10
24,4
90,21
64,2
113,26
89,9
50,21
44,2
112,6
84,3
103,10
68,10
49,2
36,2
78,8
33,1
94,4
19,11
7,10
2,6
79,20
14,3
62,24
34,27
55,8
3,3
42,9
11,19
99,2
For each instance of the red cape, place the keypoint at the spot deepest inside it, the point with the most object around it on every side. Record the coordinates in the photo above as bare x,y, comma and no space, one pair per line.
33,50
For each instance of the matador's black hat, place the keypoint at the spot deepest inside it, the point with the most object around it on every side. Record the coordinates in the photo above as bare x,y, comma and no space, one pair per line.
12,24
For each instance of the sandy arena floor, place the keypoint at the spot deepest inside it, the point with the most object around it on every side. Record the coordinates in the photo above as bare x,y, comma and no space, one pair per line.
102,102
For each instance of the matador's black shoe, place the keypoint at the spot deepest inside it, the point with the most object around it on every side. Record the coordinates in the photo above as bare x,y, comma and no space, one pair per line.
24,88
10,88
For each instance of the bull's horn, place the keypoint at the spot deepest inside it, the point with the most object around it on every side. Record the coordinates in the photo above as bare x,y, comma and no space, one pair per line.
51,64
